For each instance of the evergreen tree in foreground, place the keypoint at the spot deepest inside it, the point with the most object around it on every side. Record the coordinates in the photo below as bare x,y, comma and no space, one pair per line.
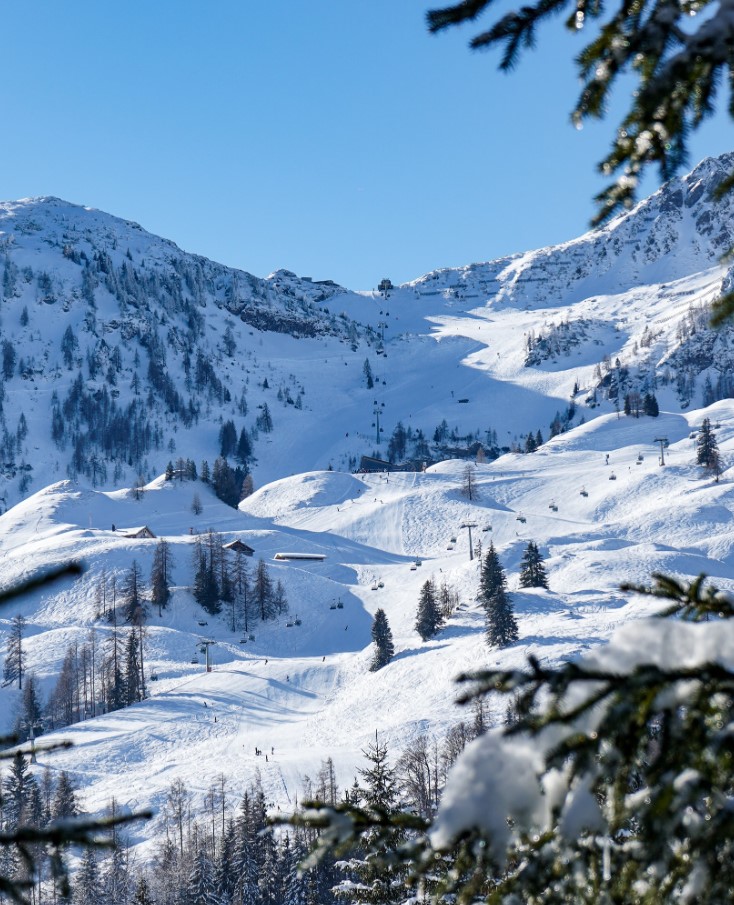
373,878
429,619
532,570
382,636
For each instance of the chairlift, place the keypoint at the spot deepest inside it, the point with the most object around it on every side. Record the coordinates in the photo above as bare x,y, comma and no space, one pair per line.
584,491
194,659
612,477
452,540
289,625
450,547
296,621
251,637
154,677
413,567
340,605
552,505
203,622
333,606
487,528
374,586
520,518
243,640
419,562
380,584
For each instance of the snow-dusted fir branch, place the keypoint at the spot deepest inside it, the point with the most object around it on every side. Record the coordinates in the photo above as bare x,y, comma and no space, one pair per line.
677,69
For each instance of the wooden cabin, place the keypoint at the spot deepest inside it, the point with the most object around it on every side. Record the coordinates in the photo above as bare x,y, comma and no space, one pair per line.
239,546
137,533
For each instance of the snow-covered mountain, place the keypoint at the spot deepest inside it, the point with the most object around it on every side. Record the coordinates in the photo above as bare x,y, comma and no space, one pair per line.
122,353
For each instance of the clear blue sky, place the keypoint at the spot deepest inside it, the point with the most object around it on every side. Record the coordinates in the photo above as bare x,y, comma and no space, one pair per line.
336,138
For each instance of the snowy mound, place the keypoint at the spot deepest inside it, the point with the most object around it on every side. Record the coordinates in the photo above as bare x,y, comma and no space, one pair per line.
315,489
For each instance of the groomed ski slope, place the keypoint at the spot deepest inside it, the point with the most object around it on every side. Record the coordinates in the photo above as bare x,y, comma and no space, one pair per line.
303,693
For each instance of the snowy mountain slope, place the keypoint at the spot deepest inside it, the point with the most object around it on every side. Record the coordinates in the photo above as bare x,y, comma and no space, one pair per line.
121,363
306,691
121,352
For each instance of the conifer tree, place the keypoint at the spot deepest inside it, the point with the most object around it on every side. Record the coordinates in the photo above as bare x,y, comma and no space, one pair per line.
532,570
429,619
16,791
142,894
491,576
133,685
244,447
131,592
116,883
262,591
206,586
650,405
227,439
707,450
31,711
501,624
240,582
86,881
14,666
160,592
201,882
113,667
373,877
382,636
65,802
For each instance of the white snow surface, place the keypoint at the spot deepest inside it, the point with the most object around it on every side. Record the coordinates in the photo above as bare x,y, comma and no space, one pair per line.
306,691
455,346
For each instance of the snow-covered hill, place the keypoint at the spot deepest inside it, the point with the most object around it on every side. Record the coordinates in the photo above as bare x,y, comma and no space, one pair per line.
305,691
123,353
